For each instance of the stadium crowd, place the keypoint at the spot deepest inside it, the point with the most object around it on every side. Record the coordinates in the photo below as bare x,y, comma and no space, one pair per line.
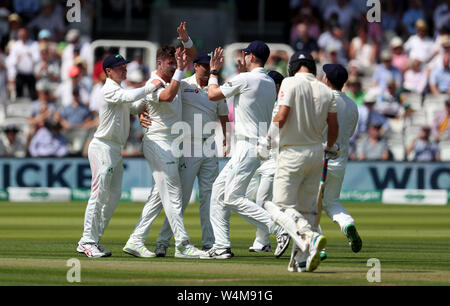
398,67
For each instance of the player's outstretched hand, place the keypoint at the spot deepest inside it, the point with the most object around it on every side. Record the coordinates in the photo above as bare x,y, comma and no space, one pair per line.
181,58
263,149
332,152
144,119
182,32
241,63
156,82
216,59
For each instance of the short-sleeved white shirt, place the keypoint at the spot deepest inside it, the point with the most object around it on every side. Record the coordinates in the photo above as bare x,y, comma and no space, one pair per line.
254,96
307,118
347,114
196,104
114,114
163,114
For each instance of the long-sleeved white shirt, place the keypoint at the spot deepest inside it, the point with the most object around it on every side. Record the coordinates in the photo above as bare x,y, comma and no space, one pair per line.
115,110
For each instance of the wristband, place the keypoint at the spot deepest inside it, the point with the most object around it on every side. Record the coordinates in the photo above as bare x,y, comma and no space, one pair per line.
188,44
213,81
214,72
178,75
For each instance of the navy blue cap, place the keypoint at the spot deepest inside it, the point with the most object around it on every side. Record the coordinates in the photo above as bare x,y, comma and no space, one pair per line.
276,76
301,55
203,57
114,60
258,49
336,74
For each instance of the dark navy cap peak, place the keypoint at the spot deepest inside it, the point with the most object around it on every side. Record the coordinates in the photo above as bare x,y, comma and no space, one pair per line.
336,74
258,49
114,60
301,55
203,57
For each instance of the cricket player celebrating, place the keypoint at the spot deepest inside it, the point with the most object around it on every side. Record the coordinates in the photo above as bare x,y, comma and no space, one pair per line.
260,188
347,113
105,152
164,108
306,105
254,96
202,115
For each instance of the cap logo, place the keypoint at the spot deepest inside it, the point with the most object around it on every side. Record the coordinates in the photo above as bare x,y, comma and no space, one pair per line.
118,56
301,56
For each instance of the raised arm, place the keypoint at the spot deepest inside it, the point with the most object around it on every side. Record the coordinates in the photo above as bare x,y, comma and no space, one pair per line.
183,36
214,92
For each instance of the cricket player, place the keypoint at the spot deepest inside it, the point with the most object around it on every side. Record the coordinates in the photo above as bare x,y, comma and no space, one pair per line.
105,152
260,188
306,106
347,113
165,109
201,114
254,97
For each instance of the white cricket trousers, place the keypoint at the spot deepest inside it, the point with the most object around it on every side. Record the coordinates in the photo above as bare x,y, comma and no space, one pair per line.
206,169
330,201
260,190
229,192
105,159
166,193
296,184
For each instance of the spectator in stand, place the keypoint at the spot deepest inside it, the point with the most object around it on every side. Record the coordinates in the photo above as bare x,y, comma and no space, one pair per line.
73,47
75,116
369,116
10,144
419,45
277,61
354,90
23,57
362,50
43,109
441,124
304,42
400,59
98,67
385,72
48,142
50,18
65,89
424,149
416,78
440,77
389,101
345,11
47,69
138,64
412,15
375,146
333,38
441,46
3,82
26,8
85,81
389,22
12,35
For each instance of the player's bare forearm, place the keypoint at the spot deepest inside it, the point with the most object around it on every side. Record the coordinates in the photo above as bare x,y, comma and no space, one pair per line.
214,93
333,129
282,115
168,94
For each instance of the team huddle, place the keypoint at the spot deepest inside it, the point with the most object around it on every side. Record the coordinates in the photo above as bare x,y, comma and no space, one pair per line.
287,131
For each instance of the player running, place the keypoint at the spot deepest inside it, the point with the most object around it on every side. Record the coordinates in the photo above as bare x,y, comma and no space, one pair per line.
305,107
260,188
165,109
254,96
335,77
105,152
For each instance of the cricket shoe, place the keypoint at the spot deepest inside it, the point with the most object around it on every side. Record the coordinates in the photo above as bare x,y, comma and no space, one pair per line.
161,250
138,250
187,251
102,249
282,244
217,254
90,250
354,240
267,248
297,267
318,243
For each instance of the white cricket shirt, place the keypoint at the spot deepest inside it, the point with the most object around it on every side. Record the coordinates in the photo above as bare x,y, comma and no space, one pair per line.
114,114
254,96
196,106
308,115
347,114
162,114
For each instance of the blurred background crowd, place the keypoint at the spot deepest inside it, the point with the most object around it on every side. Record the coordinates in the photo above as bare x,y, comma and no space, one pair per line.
399,76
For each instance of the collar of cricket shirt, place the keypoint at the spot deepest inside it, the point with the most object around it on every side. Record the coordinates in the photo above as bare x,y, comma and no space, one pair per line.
259,70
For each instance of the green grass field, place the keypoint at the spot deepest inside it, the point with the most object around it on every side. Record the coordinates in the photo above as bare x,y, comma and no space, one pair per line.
36,240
